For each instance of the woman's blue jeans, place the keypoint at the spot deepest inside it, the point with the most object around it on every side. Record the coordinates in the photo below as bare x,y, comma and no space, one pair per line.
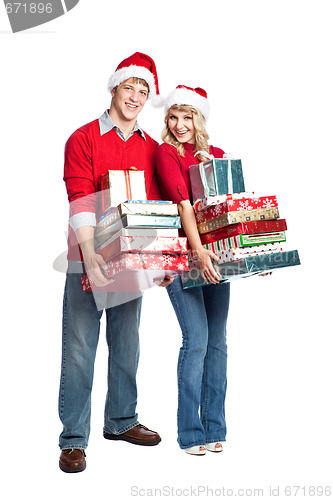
202,364
81,326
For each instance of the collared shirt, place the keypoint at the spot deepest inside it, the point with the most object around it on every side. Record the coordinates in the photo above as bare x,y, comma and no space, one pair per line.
106,124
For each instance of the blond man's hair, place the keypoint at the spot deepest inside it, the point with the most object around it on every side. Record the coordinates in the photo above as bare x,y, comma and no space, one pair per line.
200,138
134,79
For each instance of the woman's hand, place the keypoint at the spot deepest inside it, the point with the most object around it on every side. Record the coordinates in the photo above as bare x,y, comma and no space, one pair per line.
208,272
204,256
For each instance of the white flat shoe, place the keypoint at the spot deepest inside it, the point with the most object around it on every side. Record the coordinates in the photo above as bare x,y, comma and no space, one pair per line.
196,450
217,447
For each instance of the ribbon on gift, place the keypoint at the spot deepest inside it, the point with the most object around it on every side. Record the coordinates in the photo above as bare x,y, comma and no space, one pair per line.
128,184
229,157
203,177
205,154
202,171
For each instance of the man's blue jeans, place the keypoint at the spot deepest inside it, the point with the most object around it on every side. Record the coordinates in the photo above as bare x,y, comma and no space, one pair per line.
202,364
81,326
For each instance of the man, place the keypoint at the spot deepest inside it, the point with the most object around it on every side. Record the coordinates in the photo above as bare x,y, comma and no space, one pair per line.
115,141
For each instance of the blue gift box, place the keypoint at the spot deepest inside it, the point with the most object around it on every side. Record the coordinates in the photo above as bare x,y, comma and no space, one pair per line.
139,221
243,268
217,176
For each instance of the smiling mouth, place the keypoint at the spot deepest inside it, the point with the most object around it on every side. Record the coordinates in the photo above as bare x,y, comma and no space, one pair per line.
131,106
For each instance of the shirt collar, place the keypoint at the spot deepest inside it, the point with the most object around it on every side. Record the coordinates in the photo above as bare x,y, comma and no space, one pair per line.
106,124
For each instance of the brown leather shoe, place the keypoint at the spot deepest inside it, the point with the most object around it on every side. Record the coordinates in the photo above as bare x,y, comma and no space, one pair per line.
72,460
137,435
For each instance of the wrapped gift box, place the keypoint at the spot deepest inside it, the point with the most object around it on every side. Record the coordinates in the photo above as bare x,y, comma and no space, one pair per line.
252,227
151,202
232,205
235,217
243,268
115,186
138,221
129,207
230,254
134,232
210,201
133,202
223,247
246,240
216,177
105,236
134,272
143,244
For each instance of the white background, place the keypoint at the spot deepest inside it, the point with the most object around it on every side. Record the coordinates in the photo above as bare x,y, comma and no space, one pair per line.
267,69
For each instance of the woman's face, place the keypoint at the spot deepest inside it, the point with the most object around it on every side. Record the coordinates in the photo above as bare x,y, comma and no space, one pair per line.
181,125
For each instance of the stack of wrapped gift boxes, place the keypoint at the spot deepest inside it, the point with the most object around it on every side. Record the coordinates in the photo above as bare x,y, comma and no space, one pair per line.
243,230
138,239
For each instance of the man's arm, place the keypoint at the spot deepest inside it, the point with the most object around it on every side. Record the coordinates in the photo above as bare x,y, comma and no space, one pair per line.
92,261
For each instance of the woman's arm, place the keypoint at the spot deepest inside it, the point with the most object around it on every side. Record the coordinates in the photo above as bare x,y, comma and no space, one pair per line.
204,256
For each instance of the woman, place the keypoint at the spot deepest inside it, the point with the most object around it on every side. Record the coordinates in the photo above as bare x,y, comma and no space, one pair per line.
201,311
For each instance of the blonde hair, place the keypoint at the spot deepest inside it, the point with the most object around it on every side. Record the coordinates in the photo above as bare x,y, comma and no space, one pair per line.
200,138
134,79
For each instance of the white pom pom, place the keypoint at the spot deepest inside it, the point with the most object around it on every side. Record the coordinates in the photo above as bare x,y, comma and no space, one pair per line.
157,101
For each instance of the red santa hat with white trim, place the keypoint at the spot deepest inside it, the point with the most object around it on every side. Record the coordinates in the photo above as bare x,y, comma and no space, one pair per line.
188,96
137,65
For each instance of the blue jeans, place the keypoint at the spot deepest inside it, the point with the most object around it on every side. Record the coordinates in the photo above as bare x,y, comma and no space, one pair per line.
202,364
81,326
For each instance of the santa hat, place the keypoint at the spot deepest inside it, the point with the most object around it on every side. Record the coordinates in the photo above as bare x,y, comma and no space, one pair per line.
139,66
191,97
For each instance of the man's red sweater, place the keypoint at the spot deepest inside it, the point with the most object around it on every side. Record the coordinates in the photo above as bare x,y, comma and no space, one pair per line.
88,155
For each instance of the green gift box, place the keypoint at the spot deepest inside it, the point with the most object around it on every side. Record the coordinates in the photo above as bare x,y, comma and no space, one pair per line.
216,176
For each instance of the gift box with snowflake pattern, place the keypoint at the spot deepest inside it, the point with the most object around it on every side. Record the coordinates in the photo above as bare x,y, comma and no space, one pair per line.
233,205
143,244
209,201
142,265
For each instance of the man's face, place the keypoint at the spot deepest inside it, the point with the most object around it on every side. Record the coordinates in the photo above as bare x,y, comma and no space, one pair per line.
128,99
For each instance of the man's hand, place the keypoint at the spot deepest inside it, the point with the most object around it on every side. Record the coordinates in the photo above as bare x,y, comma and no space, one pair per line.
164,282
93,262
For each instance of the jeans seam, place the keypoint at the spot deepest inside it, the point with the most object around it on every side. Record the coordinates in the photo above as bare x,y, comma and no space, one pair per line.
63,376
206,401
109,370
181,364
